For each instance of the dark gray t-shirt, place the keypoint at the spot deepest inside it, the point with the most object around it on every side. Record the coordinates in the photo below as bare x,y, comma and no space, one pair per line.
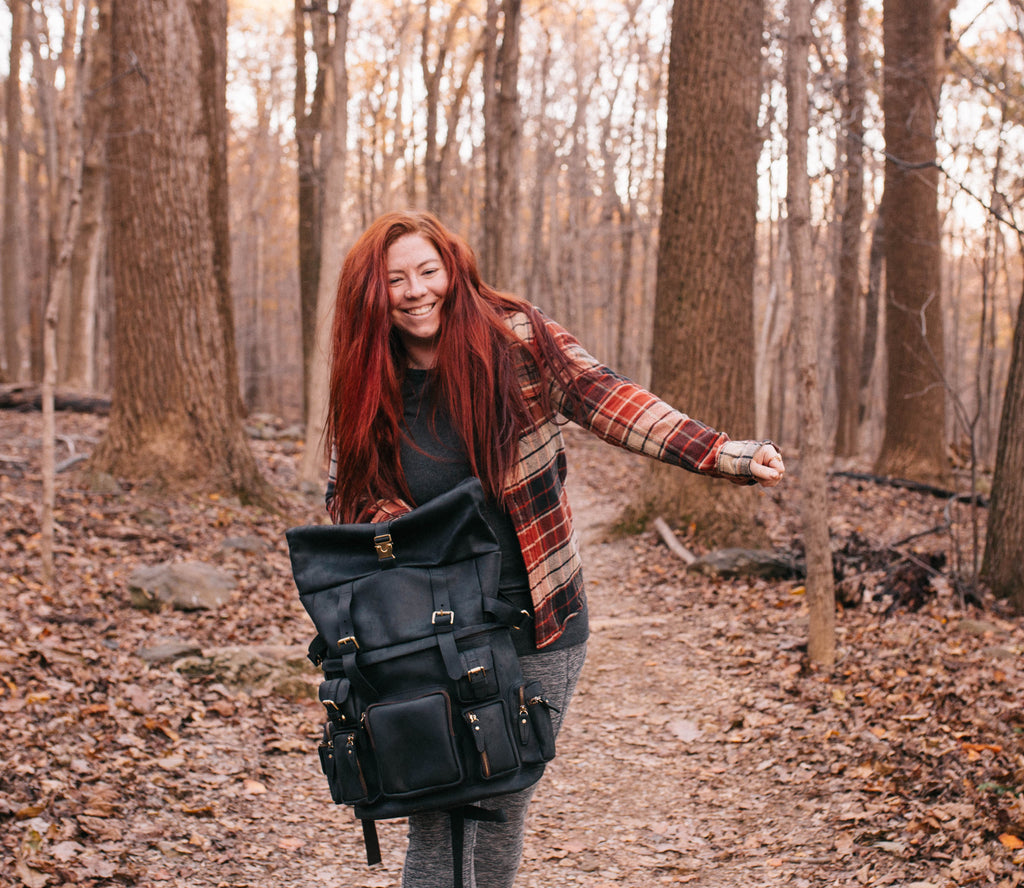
434,461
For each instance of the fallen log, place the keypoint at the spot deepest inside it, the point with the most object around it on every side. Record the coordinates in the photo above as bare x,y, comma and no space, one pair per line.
25,398
916,486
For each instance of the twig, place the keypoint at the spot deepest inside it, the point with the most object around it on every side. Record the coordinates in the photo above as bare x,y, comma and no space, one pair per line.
672,541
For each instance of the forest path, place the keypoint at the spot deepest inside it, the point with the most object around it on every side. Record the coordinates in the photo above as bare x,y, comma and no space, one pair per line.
700,747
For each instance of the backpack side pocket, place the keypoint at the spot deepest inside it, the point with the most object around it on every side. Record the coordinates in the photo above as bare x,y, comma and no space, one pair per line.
346,765
534,730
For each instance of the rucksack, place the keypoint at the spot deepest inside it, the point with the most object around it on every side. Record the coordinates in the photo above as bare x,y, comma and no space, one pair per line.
426,706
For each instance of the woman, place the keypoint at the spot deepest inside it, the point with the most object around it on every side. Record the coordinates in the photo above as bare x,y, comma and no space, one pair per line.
436,376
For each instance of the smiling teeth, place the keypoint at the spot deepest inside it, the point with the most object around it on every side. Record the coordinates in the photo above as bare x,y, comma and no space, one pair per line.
419,312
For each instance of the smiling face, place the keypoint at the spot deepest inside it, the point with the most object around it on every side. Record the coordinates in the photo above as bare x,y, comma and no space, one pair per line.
418,285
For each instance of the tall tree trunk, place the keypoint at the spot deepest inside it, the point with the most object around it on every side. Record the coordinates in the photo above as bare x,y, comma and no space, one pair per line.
872,311
502,131
821,640
176,412
1003,565
433,156
308,112
914,445
848,327
12,278
333,141
704,340
77,322
69,201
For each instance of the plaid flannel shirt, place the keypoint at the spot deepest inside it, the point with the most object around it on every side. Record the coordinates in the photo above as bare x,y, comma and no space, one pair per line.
618,411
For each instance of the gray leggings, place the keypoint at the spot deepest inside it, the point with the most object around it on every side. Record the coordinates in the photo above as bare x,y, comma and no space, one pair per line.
493,850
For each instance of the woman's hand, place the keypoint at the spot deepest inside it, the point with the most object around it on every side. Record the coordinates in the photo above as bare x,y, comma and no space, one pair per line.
767,466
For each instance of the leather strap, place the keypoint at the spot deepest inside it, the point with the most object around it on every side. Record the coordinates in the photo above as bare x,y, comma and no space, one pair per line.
371,842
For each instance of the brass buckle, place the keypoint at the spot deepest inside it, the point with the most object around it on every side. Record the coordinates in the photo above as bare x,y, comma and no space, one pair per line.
385,549
443,618
348,639
475,673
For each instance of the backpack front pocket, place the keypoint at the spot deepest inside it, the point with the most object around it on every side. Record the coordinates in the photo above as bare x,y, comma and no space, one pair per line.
414,744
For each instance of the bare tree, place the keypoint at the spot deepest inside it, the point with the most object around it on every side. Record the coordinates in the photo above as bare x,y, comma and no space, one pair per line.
176,414
848,326
1003,565
334,135
433,72
11,275
821,646
77,338
704,339
502,134
310,23
914,445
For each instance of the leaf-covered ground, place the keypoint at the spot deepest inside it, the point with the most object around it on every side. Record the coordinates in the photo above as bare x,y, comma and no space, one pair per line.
701,748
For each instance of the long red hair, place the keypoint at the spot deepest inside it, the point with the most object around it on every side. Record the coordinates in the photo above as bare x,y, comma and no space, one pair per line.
475,369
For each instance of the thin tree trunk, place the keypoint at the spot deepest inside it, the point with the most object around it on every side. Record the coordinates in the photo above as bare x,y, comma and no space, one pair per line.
1003,565
502,131
433,156
848,295
813,478
12,281
308,111
332,252
77,325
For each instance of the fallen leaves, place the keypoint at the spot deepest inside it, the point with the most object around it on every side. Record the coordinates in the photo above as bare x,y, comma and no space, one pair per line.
701,747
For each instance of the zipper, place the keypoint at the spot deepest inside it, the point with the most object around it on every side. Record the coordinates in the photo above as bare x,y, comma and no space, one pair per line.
352,754
524,718
474,724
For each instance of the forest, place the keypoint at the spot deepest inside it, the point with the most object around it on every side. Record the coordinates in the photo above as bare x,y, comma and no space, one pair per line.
797,220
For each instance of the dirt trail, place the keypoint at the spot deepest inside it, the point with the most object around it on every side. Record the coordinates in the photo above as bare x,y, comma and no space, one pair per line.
700,749
654,783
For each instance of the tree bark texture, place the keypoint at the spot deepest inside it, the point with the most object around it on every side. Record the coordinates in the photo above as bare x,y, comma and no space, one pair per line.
849,326
914,445
176,416
308,111
334,137
821,639
502,136
77,320
1003,565
11,273
433,73
703,356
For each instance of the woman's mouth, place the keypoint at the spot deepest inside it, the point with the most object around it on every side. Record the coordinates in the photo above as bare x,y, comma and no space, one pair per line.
420,310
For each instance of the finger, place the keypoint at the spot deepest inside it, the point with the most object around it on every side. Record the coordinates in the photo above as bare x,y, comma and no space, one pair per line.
765,474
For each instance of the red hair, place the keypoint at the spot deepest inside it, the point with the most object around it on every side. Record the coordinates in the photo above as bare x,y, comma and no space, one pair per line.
475,369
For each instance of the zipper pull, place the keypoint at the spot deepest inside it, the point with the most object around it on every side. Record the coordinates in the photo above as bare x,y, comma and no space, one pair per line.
543,701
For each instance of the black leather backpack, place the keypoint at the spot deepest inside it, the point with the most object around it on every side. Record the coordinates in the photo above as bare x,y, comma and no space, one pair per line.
426,705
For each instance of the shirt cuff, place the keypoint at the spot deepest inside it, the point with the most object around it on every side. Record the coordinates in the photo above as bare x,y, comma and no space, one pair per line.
735,457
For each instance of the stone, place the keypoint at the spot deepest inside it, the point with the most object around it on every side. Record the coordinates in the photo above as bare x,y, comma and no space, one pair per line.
169,651
738,562
183,585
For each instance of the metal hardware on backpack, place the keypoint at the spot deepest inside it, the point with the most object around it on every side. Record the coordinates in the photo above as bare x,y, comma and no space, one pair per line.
426,705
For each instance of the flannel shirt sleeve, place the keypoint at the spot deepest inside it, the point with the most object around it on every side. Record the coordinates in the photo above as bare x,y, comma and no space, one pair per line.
623,413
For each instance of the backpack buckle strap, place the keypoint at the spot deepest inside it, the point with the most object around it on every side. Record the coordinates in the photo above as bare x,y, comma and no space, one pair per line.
442,618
